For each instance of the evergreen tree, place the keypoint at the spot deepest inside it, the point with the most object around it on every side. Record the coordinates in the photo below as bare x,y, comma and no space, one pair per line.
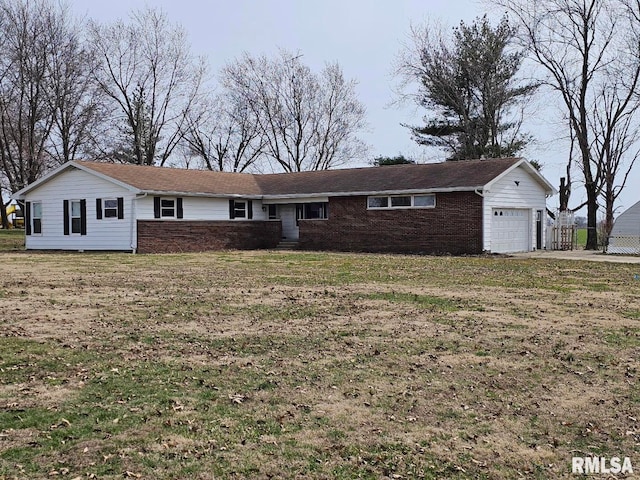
469,85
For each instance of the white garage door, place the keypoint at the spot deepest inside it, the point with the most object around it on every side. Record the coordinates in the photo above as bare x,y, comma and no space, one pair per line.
510,230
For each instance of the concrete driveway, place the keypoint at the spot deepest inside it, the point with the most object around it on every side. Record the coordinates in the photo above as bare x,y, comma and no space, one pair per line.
584,255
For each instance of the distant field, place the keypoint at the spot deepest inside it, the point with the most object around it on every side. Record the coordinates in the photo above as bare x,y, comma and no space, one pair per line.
312,365
582,237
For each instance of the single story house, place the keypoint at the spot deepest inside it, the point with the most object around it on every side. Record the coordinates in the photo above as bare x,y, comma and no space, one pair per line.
465,207
625,234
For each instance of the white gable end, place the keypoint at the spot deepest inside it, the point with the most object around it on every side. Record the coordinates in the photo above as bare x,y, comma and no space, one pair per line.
73,185
513,202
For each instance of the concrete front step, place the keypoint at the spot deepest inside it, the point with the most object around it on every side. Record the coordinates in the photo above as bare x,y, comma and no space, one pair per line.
287,245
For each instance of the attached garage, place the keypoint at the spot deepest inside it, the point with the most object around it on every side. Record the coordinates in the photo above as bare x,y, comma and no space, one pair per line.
510,230
514,203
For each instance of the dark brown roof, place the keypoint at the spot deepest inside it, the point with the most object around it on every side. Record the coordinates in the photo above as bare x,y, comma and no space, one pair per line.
460,175
160,179
446,175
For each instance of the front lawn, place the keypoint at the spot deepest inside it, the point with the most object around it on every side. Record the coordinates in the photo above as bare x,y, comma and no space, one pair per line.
314,365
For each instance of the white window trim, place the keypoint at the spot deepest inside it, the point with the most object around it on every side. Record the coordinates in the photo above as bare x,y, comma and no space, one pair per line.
71,217
33,203
104,209
245,209
407,207
175,207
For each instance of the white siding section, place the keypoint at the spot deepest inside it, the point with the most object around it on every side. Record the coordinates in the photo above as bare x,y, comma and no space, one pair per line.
74,184
625,234
198,208
628,223
506,194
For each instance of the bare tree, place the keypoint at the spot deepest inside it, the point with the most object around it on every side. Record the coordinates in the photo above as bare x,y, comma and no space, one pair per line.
225,135
308,121
468,81
616,132
77,103
26,117
587,47
147,71
46,105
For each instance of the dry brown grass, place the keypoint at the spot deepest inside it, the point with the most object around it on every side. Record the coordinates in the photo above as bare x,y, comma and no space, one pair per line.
286,365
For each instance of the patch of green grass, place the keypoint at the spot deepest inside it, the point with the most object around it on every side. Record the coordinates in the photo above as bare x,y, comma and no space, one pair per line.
424,301
623,338
11,240
581,235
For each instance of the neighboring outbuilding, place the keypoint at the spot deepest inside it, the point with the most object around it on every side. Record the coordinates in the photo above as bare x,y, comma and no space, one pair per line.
625,234
464,207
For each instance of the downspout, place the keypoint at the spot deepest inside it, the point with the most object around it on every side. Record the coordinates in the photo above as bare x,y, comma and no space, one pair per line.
133,222
479,191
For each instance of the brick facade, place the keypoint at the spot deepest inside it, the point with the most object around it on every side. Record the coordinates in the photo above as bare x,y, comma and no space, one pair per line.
158,236
454,226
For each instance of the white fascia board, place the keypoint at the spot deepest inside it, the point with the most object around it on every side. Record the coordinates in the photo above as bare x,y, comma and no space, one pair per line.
286,200
550,189
267,198
168,193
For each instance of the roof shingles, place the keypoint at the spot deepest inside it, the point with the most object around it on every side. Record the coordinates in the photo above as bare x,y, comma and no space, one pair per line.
461,175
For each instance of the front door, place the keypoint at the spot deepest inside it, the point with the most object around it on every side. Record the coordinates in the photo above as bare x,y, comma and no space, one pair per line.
290,229
539,229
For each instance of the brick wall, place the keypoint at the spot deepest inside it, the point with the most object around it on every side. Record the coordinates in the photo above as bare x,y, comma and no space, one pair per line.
454,226
158,236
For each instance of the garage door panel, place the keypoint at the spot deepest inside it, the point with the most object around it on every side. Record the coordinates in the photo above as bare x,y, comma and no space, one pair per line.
509,230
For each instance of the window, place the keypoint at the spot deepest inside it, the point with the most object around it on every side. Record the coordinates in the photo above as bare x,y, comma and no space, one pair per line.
315,211
239,209
378,202
76,217
401,201
36,218
273,212
167,207
111,208
424,201
312,211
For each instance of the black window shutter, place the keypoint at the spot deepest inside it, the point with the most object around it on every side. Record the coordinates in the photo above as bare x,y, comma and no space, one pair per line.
65,216
27,218
120,208
98,208
250,209
156,207
232,209
83,217
179,212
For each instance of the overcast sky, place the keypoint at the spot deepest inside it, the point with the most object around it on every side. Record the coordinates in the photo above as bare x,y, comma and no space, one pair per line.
364,36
